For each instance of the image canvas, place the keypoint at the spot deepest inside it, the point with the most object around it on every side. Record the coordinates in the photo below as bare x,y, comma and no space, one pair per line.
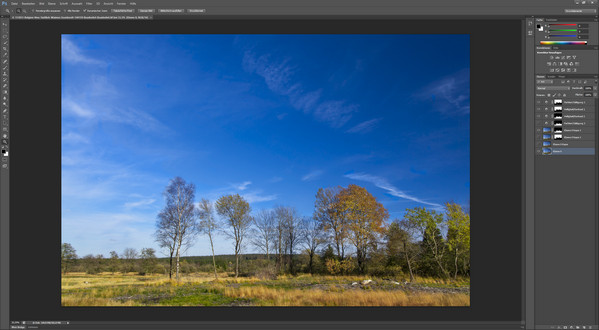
265,170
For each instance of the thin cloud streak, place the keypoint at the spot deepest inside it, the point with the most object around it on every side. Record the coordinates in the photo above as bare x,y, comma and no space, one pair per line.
450,95
391,190
243,186
74,138
130,116
364,127
256,197
143,202
74,108
71,53
312,175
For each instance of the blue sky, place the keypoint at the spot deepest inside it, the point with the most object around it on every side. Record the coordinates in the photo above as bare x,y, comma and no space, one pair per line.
271,117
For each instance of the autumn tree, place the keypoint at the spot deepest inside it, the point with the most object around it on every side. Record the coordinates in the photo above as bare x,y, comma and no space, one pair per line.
458,235
208,225
264,222
236,212
327,211
365,219
177,224
68,255
311,237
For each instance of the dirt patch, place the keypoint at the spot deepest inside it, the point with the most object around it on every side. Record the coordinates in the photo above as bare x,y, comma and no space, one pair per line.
234,285
146,299
418,288
391,285
241,302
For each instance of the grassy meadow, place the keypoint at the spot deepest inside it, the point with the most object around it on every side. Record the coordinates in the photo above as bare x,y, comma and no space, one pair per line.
202,289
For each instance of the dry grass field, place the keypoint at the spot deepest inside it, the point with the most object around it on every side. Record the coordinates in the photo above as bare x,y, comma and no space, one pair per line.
201,289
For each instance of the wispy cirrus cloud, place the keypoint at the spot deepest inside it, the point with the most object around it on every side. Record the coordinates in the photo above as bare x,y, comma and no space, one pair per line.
278,76
71,53
140,203
107,113
336,113
257,197
312,175
365,126
71,107
242,186
449,95
250,195
391,190
74,138
305,101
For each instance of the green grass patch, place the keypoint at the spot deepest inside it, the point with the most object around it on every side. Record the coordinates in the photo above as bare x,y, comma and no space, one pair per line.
198,296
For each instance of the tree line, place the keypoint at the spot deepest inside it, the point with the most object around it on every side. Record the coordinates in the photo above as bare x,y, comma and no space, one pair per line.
143,262
349,232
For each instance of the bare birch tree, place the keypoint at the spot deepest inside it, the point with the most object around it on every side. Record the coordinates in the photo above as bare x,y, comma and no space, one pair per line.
264,221
177,221
208,225
166,235
312,237
288,231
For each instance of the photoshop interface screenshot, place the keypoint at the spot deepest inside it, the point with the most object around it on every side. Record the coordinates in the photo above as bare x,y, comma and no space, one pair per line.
299,164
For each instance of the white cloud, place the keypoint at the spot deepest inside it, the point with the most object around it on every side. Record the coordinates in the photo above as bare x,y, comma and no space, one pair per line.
73,54
312,175
278,76
391,190
336,113
365,126
71,107
256,197
74,138
91,176
105,112
135,118
305,101
243,185
450,95
140,203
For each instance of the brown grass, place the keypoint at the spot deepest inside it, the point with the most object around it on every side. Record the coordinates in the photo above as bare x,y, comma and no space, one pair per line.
106,289
317,297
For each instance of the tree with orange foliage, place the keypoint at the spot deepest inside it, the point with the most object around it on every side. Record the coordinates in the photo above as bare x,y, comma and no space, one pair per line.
365,218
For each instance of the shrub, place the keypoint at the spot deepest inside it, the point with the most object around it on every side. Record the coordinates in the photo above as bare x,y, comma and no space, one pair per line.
186,267
335,266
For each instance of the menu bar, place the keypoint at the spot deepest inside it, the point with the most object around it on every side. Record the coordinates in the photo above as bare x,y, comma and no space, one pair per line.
29,9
